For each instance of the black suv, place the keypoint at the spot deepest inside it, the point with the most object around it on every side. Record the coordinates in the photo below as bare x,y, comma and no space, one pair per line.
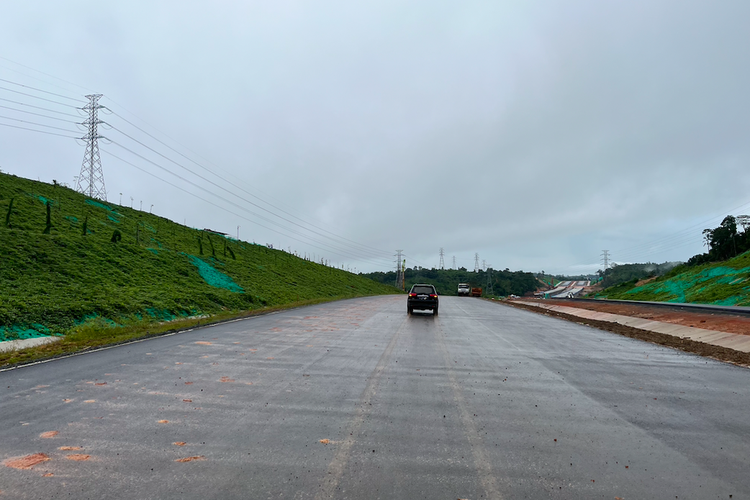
422,296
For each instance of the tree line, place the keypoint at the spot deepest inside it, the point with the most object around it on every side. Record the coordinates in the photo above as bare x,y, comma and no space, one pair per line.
725,241
505,282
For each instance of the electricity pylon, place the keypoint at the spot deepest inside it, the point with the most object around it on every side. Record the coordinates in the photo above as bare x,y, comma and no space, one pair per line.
91,179
442,262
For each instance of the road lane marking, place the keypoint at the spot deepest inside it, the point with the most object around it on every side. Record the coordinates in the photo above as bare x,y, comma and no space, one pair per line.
338,463
481,460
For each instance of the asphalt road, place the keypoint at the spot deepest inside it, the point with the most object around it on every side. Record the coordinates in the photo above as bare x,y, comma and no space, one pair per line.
483,401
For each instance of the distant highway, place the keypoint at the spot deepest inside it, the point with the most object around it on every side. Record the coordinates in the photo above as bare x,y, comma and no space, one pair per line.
356,400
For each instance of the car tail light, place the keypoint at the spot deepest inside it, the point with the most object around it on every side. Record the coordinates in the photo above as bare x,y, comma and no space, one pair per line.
433,296
412,295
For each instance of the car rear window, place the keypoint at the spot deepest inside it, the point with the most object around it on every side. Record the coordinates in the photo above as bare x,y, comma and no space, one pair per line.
423,289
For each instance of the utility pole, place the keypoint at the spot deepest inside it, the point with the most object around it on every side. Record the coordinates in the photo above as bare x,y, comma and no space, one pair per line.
442,262
605,259
399,275
476,262
91,179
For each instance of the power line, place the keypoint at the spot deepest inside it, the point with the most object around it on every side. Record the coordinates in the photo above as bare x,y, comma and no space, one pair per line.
373,254
365,248
37,97
43,73
37,114
40,131
40,90
39,107
37,124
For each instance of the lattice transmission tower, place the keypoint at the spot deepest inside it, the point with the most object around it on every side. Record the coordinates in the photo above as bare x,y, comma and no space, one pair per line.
91,179
442,261
605,259
476,262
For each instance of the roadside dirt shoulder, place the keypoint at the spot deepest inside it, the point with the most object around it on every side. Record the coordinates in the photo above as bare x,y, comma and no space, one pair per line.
719,322
687,345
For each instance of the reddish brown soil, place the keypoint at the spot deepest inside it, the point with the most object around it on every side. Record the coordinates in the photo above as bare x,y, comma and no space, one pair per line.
699,319
179,443
49,434
78,457
190,459
69,448
26,462
687,345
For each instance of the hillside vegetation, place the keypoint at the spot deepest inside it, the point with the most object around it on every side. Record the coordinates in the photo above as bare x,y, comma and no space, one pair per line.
70,262
724,283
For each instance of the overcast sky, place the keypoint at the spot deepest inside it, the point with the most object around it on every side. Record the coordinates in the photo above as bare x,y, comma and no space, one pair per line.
535,134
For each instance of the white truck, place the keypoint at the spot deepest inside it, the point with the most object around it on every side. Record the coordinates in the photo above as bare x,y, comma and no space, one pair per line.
464,289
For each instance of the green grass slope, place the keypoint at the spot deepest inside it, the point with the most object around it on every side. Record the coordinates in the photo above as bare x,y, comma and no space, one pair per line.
101,263
723,283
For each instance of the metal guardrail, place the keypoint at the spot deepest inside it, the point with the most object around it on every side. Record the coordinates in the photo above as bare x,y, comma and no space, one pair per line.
740,310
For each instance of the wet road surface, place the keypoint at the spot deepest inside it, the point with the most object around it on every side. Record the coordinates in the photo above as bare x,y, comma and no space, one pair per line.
356,400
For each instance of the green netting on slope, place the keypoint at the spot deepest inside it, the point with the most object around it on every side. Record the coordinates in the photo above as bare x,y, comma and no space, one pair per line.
717,285
45,200
100,205
19,332
214,277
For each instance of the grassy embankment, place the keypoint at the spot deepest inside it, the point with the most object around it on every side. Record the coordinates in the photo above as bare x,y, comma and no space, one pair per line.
100,273
724,283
